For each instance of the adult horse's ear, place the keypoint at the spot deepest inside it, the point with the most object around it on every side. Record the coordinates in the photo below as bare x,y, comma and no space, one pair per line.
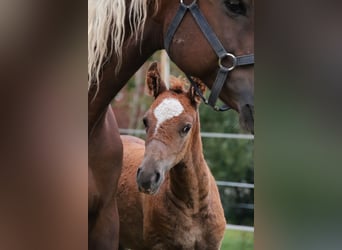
194,97
155,85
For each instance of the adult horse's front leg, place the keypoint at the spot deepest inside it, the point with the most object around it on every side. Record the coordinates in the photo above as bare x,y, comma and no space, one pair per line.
105,163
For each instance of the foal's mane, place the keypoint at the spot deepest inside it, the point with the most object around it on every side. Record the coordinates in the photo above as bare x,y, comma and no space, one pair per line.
181,85
106,20
178,85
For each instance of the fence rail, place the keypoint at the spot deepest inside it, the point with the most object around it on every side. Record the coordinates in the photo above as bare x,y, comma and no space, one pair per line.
234,184
203,134
227,135
239,228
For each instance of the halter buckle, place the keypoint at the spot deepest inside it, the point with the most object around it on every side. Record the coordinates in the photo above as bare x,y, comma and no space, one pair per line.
233,59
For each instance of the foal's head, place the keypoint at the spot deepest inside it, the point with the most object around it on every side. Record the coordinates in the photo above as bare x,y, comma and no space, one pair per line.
171,124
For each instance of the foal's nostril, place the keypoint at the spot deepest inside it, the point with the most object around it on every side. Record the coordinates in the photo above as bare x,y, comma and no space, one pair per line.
157,177
138,172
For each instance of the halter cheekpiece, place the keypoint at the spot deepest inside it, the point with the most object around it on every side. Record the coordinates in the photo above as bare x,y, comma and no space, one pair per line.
215,44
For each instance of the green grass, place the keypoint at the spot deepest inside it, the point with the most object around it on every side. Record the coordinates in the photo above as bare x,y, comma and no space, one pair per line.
238,240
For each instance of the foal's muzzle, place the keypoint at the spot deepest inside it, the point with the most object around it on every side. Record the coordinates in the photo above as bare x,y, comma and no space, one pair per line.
148,181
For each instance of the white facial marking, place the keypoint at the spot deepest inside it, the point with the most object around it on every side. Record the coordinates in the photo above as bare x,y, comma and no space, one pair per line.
166,110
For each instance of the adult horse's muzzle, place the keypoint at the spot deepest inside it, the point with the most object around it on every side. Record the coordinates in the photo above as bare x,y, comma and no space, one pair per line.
247,117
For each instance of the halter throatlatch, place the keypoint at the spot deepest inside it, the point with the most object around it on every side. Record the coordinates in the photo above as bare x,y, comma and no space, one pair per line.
215,44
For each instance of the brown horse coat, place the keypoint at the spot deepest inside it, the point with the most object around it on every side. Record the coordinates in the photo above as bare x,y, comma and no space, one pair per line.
122,35
185,210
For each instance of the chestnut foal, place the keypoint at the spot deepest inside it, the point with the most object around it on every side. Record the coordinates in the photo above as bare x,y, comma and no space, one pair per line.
178,206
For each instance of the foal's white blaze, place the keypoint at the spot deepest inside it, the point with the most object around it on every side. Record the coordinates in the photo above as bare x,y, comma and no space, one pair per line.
166,110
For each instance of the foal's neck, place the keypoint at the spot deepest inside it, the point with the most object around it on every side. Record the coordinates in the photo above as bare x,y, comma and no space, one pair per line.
190,179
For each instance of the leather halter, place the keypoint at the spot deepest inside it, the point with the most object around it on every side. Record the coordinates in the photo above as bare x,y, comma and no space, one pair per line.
215,44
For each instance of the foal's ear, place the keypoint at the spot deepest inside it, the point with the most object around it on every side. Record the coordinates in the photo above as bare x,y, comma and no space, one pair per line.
155,85
194,97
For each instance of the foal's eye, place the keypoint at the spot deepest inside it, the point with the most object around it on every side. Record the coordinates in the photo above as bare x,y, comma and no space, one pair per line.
236,6
185,129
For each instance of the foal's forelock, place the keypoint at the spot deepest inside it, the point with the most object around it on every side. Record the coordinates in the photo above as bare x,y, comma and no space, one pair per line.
106,19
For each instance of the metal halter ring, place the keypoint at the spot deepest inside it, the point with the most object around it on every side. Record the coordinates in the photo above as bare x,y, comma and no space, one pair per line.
234,61
189,5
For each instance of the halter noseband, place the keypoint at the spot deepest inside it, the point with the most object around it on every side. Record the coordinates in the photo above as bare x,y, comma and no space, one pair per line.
215,44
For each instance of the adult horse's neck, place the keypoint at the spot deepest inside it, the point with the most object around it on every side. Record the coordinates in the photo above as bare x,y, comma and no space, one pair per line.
190,179
134,55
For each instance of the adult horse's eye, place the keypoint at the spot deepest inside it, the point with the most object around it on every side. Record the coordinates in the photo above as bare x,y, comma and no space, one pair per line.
236,7
185,129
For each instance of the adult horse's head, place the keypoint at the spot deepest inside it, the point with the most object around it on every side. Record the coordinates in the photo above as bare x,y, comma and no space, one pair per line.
172,124
214,41
209,39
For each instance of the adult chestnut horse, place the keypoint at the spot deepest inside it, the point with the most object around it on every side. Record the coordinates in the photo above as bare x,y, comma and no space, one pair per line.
208,39
179,206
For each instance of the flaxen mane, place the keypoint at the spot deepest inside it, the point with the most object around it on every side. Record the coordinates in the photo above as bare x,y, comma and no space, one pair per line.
106,19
